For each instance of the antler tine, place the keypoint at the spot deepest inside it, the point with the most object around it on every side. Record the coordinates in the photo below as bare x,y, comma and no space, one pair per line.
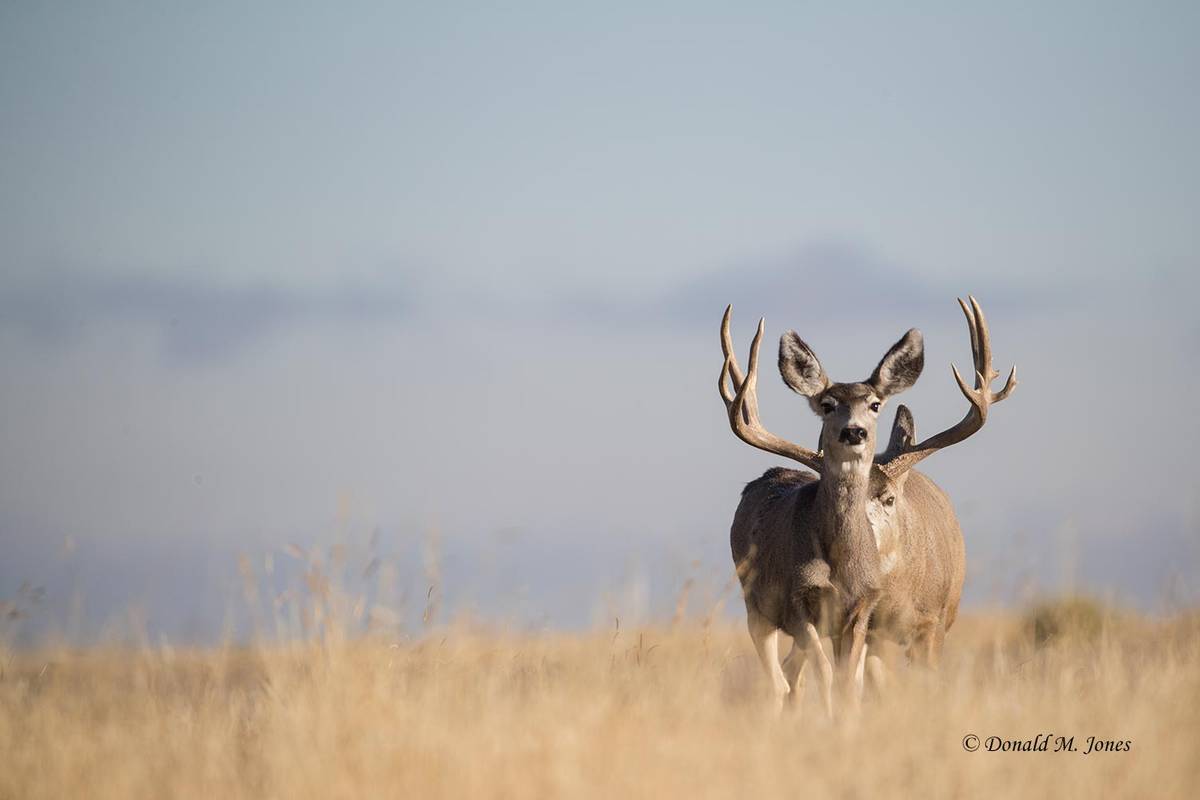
741,400
751,381
746,399
971,394
730,369
985,344
972,329
1009,385
727,347
723,384
981,396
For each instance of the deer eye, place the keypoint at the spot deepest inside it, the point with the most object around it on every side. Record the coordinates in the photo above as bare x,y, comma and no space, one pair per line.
889,501
827,408
875,407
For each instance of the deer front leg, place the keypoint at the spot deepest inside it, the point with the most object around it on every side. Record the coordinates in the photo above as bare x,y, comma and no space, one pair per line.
855,666
877,673
859,671
766,642
793,669
826,669
855,660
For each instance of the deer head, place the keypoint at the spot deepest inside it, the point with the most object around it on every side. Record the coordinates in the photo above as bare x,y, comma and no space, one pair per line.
850,411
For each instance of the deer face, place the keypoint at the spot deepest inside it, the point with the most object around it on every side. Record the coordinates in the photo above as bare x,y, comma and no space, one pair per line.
850,411
885,499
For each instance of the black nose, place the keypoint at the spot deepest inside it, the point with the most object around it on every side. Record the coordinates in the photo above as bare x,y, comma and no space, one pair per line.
853,435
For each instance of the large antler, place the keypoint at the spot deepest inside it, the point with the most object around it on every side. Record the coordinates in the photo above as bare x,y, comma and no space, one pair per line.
741,401
897,459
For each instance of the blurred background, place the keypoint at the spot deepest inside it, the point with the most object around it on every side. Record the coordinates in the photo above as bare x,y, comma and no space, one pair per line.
440,286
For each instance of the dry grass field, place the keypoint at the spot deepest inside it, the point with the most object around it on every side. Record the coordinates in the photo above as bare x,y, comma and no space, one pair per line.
660,712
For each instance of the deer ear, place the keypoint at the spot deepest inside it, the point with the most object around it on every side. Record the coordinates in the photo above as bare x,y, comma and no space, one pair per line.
901,367
904,430
799,366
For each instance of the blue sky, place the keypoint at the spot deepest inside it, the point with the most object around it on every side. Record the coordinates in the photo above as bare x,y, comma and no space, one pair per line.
460,268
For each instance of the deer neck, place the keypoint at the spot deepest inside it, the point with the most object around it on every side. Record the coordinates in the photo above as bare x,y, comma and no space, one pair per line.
846,533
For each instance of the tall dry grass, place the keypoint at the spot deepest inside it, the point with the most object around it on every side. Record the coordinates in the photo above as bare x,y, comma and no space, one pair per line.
670,712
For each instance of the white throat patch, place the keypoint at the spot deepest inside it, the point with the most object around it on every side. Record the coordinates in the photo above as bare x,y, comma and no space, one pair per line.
849,467
882,525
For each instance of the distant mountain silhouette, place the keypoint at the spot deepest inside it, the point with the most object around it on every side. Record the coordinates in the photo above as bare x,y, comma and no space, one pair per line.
820,282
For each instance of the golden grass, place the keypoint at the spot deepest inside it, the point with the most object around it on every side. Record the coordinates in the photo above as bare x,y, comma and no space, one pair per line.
653,713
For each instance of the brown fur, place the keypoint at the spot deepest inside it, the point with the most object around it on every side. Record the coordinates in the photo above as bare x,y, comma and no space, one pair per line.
787,577
920,596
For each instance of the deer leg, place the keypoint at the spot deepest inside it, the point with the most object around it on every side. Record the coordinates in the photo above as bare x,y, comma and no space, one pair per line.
859,671
876,670
922,651
935,645
877,674
855,665
766,641
814,644
857,626
793,670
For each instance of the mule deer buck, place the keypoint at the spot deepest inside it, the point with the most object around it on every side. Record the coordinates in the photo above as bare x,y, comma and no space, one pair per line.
868,546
